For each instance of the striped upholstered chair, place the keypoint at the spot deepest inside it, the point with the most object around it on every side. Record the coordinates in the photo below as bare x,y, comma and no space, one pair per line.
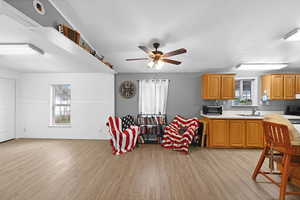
178,135
122,141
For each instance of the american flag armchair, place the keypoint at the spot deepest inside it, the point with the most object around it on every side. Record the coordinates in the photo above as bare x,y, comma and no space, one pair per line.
122,141
178,135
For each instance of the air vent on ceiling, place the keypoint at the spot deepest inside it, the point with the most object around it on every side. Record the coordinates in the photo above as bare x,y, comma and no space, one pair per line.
39,7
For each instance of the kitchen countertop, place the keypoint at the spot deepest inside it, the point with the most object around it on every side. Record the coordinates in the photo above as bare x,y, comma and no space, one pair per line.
236,115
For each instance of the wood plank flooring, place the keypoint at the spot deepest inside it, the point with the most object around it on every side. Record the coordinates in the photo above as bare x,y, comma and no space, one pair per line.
86,170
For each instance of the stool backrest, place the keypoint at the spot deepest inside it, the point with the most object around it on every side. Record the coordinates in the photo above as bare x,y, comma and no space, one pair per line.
277,136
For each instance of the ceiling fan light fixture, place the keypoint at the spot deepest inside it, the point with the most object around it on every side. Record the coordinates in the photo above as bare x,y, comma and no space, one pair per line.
159,64
158,58
156,64
151,64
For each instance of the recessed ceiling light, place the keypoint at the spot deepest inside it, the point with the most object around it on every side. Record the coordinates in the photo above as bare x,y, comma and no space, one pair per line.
19,49
261,66
294,35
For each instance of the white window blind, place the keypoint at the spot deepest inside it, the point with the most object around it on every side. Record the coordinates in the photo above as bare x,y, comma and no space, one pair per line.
153,94
60,104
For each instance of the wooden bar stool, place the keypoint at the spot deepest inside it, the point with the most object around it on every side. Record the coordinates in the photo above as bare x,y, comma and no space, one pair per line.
277,139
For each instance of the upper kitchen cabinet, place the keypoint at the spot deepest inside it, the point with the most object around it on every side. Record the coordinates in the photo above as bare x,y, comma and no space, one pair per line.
280,86
227,86
277,86
218,86
297,84
289,86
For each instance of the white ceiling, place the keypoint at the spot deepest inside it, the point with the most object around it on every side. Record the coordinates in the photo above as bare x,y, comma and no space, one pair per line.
218,34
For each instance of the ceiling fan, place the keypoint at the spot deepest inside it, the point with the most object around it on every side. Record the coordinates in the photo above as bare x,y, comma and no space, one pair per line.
157,58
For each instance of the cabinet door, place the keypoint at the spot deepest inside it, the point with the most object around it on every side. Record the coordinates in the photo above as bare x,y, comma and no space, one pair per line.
211,86
254,133
266,82
237,133
298,84
218,133
228,87
277,87
289,87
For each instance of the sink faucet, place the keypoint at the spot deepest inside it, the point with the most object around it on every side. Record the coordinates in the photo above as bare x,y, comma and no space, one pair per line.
254,109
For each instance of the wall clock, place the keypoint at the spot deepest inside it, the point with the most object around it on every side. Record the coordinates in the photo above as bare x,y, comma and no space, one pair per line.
127,89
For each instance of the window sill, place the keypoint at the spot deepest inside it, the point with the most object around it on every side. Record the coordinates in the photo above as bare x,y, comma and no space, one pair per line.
59,126
244,105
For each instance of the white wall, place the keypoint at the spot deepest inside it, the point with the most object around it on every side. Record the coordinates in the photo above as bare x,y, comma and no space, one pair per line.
8,74
92,101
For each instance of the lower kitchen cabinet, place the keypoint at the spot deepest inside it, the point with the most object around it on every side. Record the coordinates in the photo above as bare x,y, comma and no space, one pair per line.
254,133
237,132
234,133
219,128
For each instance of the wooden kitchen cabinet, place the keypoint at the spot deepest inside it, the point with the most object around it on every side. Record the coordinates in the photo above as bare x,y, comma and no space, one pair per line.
211,84
227,86
237,132
218,86
254,133
289,86
272,84
298,84
277,86
218,133
280,86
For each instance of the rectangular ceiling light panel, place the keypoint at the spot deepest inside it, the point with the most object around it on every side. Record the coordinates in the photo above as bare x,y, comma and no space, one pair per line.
19,49
294,35
261,66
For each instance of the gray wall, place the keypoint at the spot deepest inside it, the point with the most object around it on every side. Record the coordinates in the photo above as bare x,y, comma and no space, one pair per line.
184,95
51,18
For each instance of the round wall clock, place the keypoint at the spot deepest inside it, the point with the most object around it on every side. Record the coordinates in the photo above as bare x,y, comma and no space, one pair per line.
127,89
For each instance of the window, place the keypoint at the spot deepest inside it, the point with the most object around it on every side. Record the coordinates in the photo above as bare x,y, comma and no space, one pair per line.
245,92
153,96
60,105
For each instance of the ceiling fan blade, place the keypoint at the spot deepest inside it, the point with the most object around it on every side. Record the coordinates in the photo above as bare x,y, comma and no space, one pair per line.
134,59
146,49
175,62
176,52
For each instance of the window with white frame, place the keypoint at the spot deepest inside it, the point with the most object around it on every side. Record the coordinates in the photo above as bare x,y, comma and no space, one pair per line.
245,92
60,107
153,95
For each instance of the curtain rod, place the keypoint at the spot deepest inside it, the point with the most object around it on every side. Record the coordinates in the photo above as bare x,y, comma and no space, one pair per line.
153,79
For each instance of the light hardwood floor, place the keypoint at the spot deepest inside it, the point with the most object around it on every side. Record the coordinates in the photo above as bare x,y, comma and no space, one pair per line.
86,170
